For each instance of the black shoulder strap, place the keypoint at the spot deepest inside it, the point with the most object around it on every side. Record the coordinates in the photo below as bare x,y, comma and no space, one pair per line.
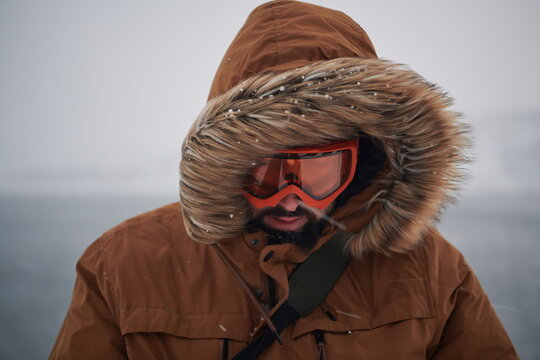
308,286
314,278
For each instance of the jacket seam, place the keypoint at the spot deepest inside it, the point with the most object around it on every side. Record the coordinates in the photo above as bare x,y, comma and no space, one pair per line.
106,238
276,34
427,282
187,314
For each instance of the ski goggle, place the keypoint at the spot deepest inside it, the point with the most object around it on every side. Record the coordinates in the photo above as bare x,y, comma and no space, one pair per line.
317,175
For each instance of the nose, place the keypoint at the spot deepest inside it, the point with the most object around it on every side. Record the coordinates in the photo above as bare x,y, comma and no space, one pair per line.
290,202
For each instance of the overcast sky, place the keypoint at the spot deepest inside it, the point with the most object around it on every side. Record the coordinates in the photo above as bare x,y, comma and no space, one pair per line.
96,96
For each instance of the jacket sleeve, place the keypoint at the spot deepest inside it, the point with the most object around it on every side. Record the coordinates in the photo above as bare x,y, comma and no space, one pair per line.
471,328
89,330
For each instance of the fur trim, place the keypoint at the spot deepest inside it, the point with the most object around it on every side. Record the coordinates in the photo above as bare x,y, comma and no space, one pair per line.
316,104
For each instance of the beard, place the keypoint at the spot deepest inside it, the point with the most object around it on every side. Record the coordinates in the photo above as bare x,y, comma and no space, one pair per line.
305,238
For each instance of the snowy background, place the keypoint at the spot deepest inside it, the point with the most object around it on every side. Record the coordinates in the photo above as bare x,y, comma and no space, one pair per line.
96,97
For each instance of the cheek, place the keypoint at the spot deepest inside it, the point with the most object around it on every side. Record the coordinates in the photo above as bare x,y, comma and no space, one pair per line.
253,211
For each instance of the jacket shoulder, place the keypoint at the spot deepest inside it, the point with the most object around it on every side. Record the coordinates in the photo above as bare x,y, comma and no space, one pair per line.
157,227
147,237
117,276
445,263
164,215
130,261
462,308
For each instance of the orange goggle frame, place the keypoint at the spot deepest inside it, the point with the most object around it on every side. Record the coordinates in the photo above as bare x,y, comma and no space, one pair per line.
317,175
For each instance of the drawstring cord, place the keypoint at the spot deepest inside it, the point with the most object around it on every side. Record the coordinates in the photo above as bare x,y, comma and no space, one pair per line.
248,291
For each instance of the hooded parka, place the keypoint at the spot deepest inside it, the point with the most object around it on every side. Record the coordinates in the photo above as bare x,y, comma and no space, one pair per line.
296,74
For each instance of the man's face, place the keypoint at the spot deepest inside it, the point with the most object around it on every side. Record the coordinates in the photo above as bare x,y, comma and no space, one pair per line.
291,221
316,175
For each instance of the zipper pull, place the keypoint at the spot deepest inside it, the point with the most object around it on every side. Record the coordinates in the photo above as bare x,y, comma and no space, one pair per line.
321,345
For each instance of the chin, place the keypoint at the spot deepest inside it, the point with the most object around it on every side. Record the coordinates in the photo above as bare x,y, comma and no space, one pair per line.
292,225
305,237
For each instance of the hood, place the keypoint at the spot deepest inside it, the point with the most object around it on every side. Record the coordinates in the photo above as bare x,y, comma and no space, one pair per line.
304,75
283,35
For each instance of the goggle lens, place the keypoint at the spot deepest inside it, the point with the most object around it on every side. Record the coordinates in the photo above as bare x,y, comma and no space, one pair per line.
318,175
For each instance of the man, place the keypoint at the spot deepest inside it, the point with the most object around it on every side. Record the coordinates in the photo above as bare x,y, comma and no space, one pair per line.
308,140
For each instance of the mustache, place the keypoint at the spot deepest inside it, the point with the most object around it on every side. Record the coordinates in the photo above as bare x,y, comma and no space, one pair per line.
278,211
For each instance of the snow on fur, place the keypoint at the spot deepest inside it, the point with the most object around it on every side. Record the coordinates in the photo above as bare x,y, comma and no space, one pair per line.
317,104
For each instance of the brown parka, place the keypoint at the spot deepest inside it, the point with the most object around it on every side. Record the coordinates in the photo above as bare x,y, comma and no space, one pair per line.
295,75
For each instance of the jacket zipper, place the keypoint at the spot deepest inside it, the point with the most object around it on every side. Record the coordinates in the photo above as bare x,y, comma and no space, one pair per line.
321,345
225,349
